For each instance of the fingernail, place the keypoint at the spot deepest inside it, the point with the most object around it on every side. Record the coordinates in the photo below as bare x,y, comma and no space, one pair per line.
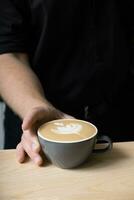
20,160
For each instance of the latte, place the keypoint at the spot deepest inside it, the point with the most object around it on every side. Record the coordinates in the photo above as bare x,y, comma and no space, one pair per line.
67,130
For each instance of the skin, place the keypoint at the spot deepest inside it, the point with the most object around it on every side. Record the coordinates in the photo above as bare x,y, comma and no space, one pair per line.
21,89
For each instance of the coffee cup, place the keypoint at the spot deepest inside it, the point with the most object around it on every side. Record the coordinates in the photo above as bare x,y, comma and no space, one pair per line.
67,143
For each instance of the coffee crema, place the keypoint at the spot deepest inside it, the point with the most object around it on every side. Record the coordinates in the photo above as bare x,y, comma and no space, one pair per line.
67,130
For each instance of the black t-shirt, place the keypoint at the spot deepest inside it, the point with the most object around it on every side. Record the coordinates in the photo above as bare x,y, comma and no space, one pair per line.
80,50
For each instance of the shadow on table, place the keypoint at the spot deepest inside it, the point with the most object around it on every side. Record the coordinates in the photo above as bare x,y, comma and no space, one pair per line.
102,160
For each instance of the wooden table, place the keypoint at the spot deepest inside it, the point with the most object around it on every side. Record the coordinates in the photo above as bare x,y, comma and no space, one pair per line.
106,176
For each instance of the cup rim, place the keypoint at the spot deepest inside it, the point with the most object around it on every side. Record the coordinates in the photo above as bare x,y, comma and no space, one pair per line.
73,141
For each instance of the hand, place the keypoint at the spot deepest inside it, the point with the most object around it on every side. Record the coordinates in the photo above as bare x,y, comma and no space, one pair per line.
29,144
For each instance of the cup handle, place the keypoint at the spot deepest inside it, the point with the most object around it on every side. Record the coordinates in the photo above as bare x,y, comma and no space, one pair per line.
103,144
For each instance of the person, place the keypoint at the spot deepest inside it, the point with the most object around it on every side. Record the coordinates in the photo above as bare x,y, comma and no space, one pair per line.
62,59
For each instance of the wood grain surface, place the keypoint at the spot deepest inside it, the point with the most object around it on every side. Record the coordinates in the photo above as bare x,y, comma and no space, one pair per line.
105,176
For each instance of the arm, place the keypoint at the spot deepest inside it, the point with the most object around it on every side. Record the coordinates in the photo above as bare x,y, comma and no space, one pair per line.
19,86
22,91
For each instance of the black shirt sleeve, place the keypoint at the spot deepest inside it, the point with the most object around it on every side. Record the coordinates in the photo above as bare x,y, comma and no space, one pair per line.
14,27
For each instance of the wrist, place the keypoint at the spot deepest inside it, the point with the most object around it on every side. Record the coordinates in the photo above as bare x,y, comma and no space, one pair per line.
35,104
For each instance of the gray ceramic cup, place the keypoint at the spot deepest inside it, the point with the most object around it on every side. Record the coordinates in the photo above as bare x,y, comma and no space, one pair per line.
68,154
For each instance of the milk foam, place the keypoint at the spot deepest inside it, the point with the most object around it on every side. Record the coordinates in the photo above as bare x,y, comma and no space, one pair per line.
72,128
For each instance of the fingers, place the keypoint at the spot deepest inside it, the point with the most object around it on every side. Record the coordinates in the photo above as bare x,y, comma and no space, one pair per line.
20,153
31,139
29,145
29,142
66,116
32,147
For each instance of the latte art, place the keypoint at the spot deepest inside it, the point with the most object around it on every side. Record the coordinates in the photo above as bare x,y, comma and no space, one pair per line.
67,130
71,128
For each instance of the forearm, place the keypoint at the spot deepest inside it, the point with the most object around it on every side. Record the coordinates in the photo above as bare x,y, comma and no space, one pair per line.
19,86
